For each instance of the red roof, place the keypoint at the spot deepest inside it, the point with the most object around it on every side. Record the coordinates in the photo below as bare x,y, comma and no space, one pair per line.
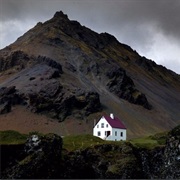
115,123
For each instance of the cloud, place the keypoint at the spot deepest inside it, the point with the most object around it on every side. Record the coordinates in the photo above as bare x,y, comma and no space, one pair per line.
150,27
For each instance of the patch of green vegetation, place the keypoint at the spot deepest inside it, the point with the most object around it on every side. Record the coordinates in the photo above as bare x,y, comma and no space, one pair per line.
150,142
124,163
146,143
26,160
136,94
12,137
35,133
160,137
72,143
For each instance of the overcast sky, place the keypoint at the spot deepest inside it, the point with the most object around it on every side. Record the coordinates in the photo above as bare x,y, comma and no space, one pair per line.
151,27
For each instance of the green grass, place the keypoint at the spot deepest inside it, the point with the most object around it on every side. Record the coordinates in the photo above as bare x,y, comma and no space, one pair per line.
12,137
83,141
150,142
160,137
72,143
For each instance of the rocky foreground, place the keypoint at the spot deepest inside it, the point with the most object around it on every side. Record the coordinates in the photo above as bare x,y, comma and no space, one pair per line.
44,157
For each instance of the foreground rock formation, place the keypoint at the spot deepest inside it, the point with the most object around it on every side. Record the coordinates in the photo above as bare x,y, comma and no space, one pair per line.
44,157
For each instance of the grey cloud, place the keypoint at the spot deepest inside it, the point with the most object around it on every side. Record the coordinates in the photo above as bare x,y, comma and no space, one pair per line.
162,13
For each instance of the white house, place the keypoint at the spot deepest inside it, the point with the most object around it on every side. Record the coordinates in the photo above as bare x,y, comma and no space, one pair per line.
110,128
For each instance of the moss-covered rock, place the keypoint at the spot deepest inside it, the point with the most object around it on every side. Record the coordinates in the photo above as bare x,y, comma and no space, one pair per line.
39,158
88,157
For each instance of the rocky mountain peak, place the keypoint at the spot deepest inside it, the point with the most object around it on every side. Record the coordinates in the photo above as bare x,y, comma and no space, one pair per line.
60,14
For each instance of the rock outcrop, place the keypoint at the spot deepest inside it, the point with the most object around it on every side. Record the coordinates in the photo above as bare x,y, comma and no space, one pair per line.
171,168
39,88
39,158
8,98
123,86
43,157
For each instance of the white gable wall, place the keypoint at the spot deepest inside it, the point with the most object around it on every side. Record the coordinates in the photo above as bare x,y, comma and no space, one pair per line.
98,128
115,133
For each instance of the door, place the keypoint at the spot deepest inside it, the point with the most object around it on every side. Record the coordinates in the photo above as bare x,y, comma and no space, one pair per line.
108,133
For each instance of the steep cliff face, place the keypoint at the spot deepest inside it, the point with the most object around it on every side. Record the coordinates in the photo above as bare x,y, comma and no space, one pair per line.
44,157
171,168
163,162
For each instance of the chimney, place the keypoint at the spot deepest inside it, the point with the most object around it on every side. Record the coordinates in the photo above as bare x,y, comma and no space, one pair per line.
112,116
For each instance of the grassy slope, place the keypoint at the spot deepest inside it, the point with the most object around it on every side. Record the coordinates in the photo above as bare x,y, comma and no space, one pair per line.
150,142
72,143
12,137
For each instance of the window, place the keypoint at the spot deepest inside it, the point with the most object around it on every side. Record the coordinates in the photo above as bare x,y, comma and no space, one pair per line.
99,133
102,125
115,133
107,125
97,126
121,134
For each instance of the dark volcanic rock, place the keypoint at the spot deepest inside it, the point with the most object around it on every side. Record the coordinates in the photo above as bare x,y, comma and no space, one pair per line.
146,64
5,107
162,162
39,88
89,100
123,86
16,59
8,97
70,67
41,158
50,62
171,169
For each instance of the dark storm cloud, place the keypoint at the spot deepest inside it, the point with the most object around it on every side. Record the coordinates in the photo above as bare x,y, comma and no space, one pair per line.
162,13
140,23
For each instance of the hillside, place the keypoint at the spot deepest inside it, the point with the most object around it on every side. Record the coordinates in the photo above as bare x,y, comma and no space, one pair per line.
66,71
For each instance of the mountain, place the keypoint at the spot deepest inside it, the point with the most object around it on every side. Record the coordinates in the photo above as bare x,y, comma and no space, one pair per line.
68,72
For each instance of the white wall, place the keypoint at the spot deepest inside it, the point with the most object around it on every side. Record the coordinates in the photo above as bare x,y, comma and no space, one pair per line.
116,134
113,136
102,130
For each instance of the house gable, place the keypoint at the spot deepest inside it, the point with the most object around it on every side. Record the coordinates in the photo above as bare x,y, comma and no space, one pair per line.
99,123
